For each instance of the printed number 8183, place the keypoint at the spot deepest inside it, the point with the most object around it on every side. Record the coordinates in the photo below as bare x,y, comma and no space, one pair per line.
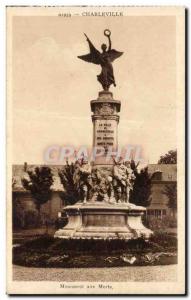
67,15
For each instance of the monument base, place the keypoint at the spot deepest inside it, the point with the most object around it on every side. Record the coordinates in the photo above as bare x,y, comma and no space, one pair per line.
104,220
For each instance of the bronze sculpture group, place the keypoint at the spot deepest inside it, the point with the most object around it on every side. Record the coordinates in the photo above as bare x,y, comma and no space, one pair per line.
96,185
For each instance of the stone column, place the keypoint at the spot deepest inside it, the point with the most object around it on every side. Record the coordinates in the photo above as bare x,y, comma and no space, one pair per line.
105,120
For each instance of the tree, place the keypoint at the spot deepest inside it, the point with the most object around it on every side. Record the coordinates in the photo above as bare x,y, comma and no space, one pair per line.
17,212
71,194
17,208
170,191
168,158
39,184
140,195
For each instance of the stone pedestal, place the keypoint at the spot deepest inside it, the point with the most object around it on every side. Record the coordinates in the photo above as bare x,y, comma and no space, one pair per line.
103,220
105,120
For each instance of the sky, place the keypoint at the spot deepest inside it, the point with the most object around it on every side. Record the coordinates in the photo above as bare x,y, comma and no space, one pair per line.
52,88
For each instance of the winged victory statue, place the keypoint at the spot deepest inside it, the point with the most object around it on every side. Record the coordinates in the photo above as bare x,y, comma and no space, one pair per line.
104,59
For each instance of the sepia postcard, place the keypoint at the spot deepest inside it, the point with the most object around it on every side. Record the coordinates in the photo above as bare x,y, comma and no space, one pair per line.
96,150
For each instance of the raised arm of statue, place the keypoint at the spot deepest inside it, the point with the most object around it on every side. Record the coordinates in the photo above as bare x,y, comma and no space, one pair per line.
109,43
107,33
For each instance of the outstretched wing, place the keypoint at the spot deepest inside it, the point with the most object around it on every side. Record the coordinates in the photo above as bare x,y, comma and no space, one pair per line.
93,56
113,54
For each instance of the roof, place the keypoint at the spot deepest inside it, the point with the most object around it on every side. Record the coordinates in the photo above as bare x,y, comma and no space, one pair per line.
169,171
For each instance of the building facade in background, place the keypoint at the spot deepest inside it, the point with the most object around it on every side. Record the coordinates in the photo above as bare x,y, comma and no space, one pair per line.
24,210
162,175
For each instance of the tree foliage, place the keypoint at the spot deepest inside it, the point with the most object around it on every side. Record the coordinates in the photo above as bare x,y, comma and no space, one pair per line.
39,184
71,194
168,158
170,191
140,195
17,212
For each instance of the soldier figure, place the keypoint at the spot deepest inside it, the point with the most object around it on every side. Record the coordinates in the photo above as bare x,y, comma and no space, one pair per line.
82,178
130,177
119,181
111,190
123,181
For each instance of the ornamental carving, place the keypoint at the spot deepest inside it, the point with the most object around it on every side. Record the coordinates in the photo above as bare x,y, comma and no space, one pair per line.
104,109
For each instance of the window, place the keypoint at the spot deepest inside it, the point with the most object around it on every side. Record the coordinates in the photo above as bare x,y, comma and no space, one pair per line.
150,212
158,213
157,175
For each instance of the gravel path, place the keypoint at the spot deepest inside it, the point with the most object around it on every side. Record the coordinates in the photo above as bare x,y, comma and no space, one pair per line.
148,273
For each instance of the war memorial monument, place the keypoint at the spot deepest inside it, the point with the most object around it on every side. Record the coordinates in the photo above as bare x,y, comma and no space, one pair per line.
104,210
